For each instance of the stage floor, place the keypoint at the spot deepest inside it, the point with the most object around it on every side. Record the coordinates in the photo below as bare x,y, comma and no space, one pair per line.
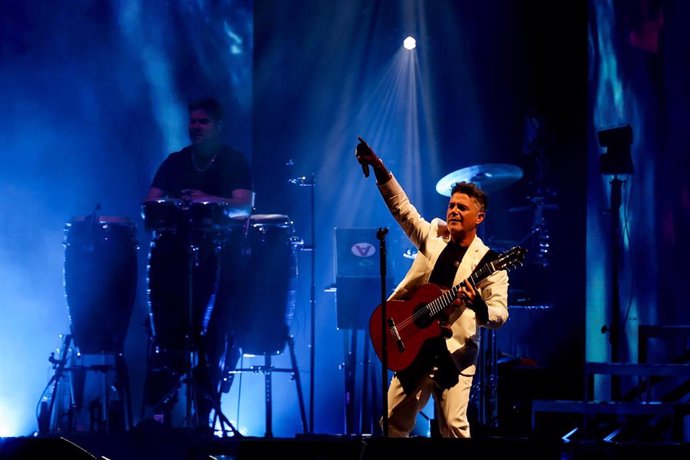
182,445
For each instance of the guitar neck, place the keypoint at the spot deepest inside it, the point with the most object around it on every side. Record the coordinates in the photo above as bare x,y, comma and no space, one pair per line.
440,303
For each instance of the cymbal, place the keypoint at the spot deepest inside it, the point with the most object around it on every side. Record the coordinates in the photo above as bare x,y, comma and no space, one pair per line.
489,177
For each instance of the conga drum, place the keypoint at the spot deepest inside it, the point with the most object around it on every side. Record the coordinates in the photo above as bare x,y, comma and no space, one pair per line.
173,215
260,276
182,269
100,280
163,215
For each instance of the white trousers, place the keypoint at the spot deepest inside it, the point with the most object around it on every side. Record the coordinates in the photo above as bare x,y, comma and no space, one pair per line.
450,406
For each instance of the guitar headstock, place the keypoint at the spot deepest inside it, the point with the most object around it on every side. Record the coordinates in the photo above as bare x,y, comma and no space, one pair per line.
510,259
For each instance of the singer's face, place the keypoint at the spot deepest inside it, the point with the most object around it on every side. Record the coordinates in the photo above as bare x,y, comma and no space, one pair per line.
463,215
203,129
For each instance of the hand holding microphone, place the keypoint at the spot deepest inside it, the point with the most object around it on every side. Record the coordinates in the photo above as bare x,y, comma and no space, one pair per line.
366,156
365,169
362,152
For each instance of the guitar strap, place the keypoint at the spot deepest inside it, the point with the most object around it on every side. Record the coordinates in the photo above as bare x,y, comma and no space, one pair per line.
489,256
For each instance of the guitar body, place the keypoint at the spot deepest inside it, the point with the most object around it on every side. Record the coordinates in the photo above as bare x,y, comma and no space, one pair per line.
413,325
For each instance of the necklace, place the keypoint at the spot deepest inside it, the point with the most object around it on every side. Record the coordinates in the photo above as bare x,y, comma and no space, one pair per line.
208,165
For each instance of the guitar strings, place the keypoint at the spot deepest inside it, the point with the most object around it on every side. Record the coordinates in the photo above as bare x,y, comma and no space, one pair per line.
450,293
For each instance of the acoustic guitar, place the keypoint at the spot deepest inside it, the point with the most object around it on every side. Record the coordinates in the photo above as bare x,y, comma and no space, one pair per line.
410,323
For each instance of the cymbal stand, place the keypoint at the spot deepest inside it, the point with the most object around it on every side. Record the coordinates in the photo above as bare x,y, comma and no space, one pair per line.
538,145
485,385
542,244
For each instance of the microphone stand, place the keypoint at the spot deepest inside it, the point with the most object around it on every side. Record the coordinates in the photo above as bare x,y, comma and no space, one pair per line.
617,160
381,236
616,326
310,182
312,304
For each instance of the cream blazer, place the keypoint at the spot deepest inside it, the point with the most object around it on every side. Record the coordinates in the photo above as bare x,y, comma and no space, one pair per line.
430,238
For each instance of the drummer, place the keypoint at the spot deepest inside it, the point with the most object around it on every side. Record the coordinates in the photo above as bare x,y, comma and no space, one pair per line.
207,170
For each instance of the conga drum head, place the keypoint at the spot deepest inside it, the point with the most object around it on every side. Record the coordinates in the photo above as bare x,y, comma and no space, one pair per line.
208,215
272,220
100,279
179,216
163,215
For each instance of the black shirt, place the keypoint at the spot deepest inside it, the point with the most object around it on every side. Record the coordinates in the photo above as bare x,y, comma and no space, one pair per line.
447,265
228,171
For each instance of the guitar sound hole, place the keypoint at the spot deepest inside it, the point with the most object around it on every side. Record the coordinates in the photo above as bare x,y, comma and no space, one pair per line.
421,314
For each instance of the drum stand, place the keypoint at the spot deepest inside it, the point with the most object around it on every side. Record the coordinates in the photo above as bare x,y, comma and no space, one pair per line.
367,416
196,390
108,416
195,360
267,369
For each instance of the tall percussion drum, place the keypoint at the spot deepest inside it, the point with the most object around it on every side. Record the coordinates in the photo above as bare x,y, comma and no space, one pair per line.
263,278
100,279
182,271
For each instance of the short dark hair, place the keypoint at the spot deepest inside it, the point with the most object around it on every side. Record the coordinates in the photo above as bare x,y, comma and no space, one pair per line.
209,105
473,191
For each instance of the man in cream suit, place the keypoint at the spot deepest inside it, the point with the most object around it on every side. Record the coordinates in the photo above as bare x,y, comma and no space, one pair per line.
448,252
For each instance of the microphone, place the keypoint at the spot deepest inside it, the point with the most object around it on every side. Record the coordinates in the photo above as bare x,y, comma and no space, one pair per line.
365,166
381,233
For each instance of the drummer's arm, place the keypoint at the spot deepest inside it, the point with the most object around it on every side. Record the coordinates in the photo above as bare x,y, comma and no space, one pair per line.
239,204
154,194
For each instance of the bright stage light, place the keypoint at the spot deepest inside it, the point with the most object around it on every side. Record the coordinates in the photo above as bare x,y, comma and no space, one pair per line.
410,43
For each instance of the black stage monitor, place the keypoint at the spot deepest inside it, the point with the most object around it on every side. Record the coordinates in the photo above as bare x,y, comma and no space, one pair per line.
358,276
